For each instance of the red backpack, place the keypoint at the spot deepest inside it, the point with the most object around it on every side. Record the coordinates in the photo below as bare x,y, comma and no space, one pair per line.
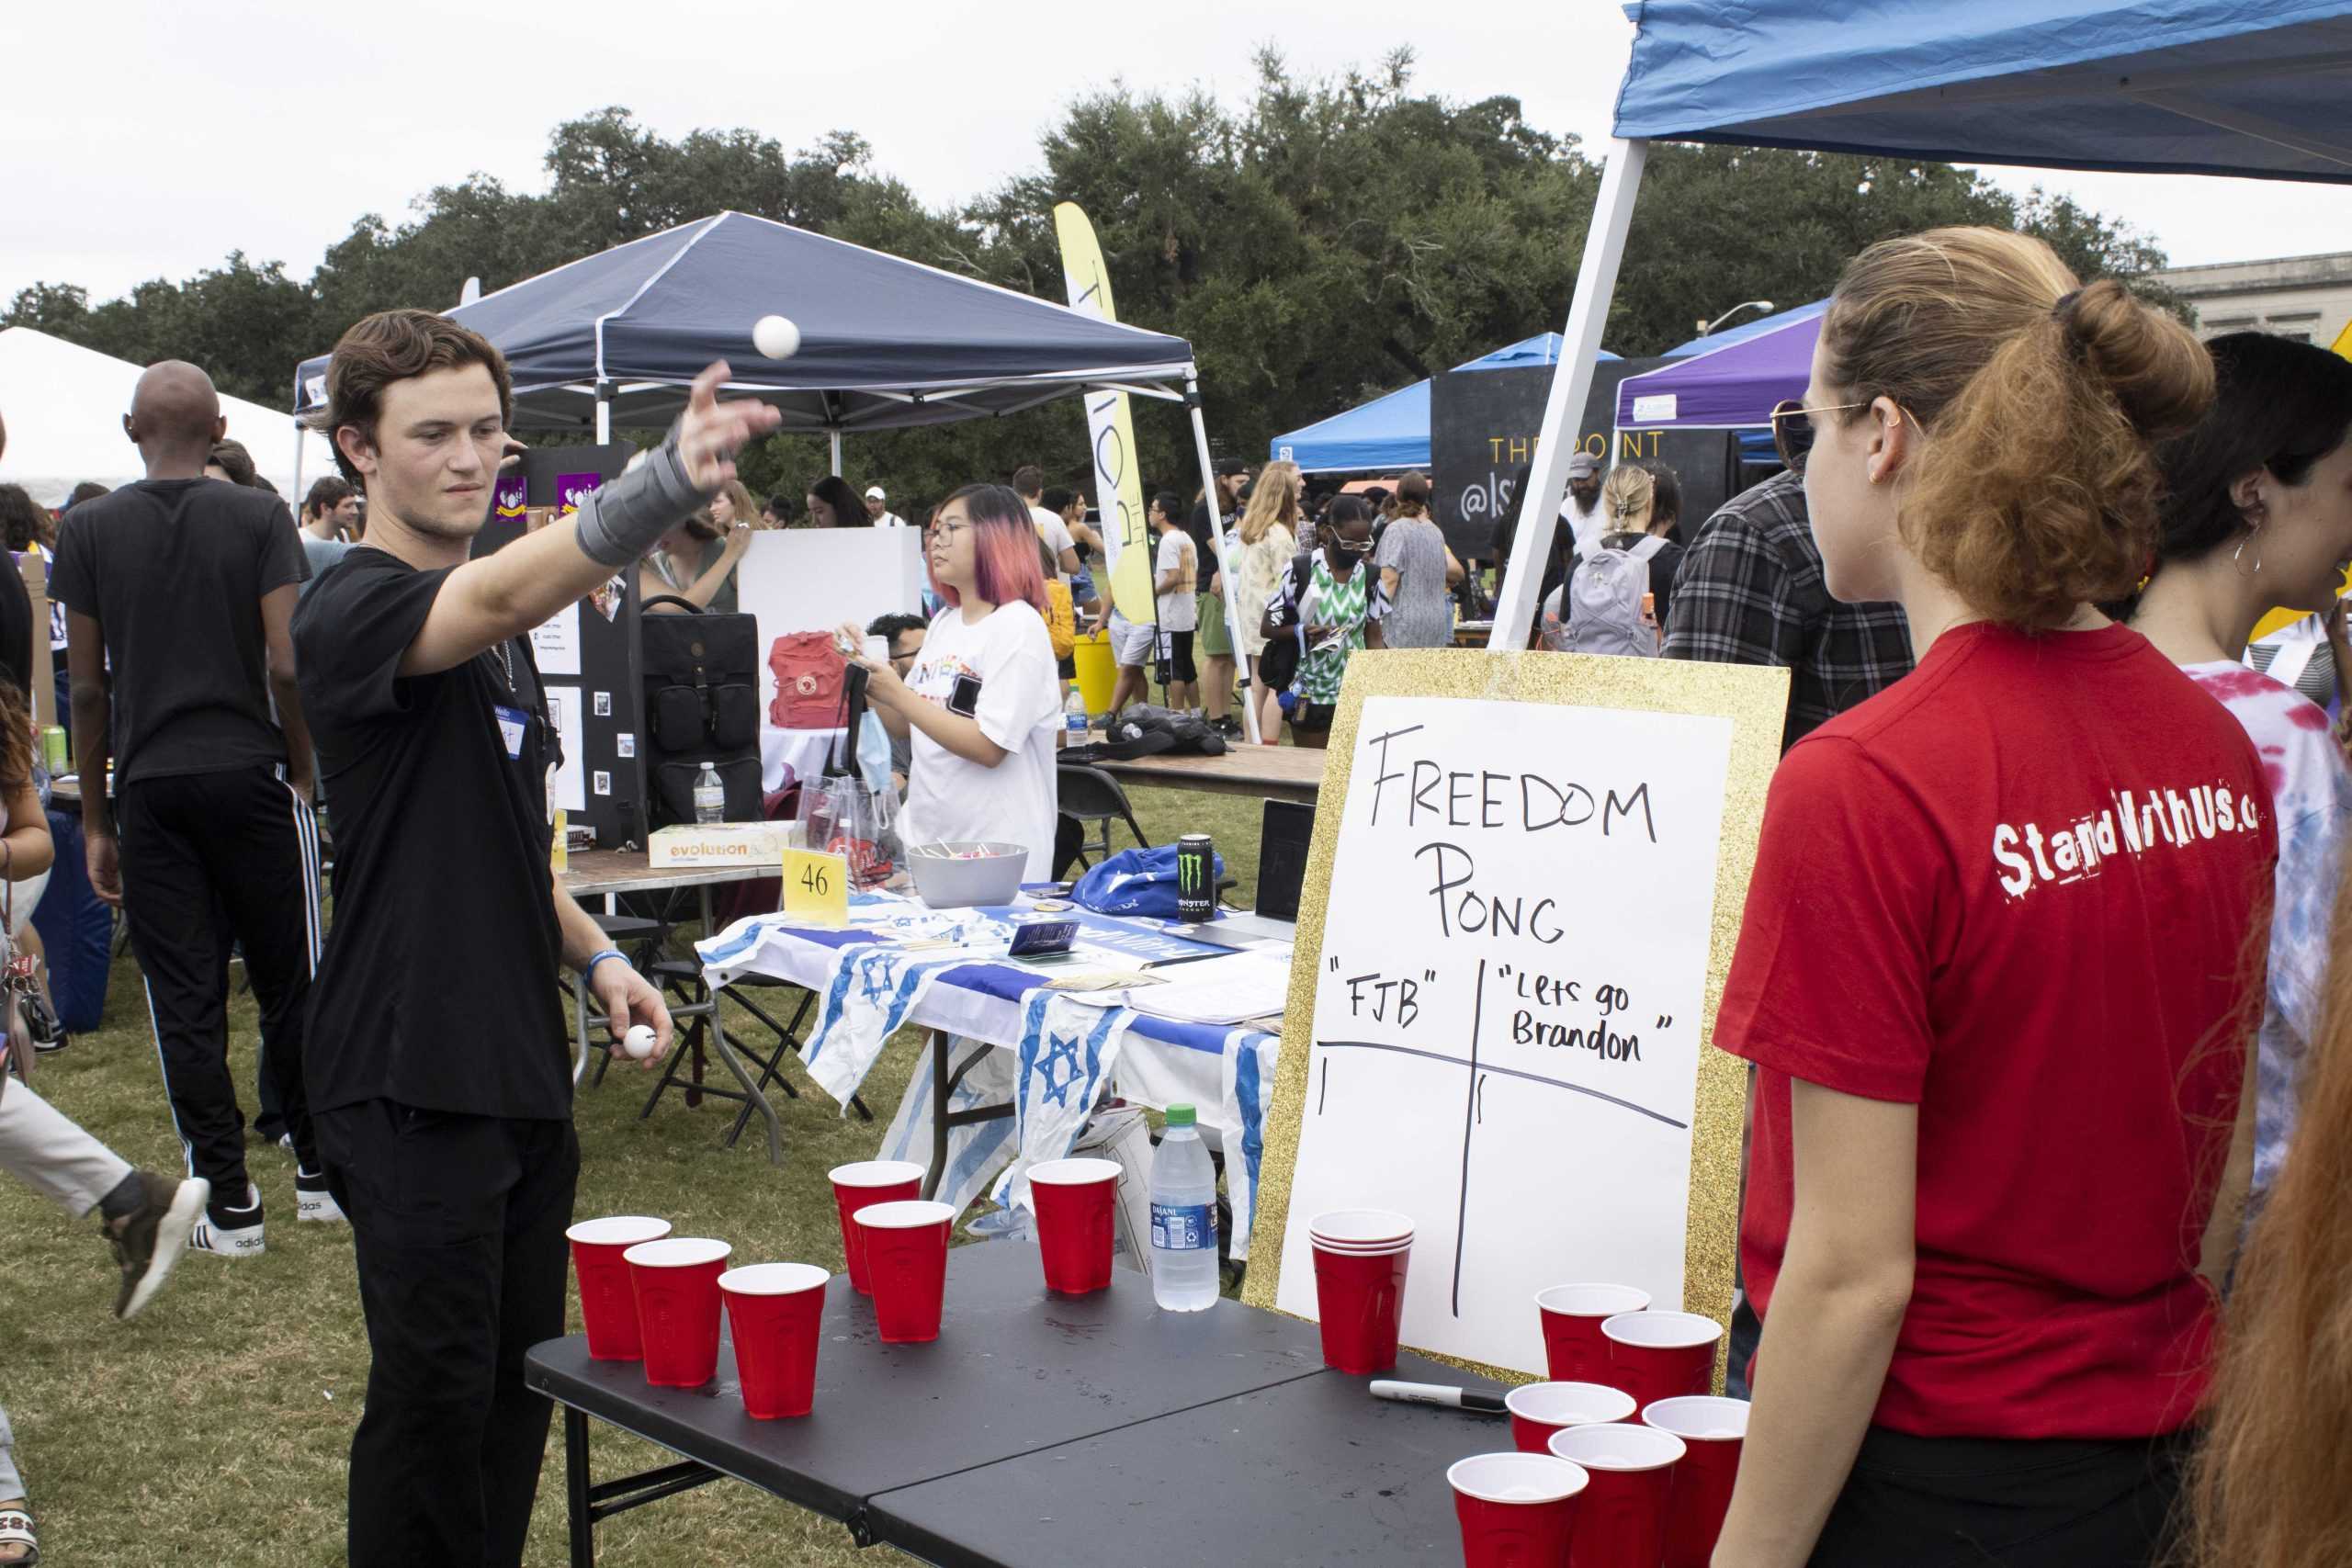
809,675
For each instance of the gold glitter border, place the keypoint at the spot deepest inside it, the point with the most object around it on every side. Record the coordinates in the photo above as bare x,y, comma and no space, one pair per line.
1756,700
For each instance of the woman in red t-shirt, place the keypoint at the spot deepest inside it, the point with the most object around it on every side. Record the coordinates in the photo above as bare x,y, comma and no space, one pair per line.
1999,970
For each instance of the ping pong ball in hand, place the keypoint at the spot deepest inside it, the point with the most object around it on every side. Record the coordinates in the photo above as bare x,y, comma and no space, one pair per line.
639,1041
777,338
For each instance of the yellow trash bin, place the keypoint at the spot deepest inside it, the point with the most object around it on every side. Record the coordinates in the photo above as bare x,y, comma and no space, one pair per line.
1098,674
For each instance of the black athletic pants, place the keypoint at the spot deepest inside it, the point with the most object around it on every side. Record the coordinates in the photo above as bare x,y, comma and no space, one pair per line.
1975,1503
209,860
458,1225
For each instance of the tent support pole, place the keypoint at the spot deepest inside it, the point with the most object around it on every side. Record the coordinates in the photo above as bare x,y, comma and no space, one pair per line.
296,497
604,413
1217,530
1547,482
834,435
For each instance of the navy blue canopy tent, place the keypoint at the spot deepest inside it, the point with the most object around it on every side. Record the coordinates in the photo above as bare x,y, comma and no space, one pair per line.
1393,431
885,343
2248,87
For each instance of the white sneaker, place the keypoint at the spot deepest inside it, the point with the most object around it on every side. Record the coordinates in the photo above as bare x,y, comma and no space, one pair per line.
313,1201
236,1235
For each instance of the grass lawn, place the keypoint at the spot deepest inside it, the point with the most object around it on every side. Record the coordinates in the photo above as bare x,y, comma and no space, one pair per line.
215,1428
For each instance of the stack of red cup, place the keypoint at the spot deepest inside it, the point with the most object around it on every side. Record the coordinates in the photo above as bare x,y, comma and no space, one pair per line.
1622,1521
1713,1430
1516,1510
1075,1202
1360,1257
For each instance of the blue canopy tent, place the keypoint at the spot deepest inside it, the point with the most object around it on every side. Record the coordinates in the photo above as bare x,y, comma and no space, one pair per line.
885,343
2260,88
1393,431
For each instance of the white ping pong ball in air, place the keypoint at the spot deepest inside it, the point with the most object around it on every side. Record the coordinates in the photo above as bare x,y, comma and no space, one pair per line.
639,1041
777,338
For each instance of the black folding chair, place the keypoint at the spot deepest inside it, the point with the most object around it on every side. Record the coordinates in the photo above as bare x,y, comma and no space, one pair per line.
1090,797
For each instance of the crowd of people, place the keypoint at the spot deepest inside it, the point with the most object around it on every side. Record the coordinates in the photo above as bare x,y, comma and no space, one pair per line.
2048,1016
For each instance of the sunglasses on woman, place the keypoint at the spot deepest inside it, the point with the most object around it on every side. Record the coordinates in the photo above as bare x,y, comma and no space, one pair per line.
1793,432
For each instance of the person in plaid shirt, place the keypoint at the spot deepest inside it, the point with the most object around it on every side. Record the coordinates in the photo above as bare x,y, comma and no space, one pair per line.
1751,591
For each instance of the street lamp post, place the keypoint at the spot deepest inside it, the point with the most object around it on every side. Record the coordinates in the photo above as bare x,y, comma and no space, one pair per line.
1707,328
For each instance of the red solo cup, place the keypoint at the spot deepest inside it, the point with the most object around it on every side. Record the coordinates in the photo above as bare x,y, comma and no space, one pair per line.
1539,1409
608,1300
1661,1355
1623,1523
855,1185
1574,1351
1075,1199
1359,1301
1516,1510
1344,1229
676,1281
1712,1430
905,1262
773,1310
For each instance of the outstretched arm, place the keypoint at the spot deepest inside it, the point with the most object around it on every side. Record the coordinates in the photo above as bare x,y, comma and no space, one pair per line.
485,602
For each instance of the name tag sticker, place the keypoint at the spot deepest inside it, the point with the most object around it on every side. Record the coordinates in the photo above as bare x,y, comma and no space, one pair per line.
513,725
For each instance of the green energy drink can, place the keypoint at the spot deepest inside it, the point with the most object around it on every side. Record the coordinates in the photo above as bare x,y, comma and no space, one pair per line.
53,749
1195,878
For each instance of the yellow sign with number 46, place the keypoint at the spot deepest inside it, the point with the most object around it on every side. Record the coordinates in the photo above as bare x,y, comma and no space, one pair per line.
816,887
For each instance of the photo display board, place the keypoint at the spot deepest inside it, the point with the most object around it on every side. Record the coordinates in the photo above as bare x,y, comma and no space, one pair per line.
1520,904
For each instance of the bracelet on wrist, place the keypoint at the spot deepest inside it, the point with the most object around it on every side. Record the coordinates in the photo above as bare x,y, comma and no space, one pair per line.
588,970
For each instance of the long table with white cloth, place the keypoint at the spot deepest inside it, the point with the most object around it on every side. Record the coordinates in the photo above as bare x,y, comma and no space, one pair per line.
1013,1067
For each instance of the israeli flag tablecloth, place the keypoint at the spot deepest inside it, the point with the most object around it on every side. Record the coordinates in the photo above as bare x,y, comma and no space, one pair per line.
1053,1057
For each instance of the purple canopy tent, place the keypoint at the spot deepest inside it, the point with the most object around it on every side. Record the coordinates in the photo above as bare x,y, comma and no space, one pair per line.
1731,388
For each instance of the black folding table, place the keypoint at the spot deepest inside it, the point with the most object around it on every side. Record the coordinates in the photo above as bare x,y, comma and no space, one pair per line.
1016,1372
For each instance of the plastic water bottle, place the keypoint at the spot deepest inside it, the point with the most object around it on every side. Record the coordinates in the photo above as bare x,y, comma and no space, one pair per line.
1074,717
710,795
1183,1217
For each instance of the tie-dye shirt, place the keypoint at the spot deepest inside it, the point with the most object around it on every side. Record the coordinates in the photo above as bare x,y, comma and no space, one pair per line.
2311,790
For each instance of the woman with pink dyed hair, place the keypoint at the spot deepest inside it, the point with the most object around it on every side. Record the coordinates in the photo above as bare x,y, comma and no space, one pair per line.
982,706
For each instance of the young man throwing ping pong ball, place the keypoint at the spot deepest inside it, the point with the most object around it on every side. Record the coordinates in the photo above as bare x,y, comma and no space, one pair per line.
443,1089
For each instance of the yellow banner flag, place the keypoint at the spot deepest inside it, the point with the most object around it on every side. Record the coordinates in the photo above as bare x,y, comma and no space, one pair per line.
2344,341
1118,485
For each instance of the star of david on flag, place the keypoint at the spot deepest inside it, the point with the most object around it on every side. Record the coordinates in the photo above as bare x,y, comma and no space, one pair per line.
1062,1067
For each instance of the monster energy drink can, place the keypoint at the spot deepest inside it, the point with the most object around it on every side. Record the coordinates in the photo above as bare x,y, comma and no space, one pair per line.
1195,878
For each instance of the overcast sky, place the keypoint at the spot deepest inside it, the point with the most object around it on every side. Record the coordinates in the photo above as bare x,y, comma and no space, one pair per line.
151,139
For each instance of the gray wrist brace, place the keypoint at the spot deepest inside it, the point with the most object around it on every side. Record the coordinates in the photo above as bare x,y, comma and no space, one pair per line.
623,518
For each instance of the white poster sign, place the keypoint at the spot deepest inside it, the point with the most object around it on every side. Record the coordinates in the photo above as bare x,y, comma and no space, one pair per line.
556,644
563,713
1510,1006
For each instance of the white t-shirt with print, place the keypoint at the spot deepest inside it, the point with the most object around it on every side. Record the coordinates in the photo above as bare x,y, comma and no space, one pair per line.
1057,535
1179,611
950,799
2310,793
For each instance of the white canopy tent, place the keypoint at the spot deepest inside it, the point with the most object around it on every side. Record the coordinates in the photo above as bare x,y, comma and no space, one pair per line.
63,406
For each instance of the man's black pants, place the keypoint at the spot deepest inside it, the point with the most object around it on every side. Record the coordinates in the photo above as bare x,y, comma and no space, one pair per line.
208,859
458,1225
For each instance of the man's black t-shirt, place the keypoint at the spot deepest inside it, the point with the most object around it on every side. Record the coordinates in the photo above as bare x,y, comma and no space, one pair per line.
173,572
437,989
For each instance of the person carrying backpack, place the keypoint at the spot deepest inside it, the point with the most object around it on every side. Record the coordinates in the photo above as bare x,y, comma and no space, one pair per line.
1614,601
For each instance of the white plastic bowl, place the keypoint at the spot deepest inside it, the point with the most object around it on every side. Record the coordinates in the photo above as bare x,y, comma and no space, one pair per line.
987,880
